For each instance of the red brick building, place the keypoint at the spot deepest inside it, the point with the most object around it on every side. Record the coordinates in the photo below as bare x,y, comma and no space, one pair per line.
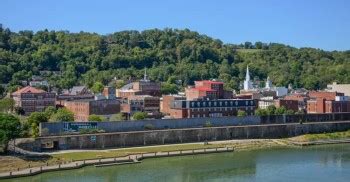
288,104
82,109
324,95
206,89
31,99
327,102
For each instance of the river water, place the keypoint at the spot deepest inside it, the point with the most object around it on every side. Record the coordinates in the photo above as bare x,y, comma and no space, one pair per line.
329,163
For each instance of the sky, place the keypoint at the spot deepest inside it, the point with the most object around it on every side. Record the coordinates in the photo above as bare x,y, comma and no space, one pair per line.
323,24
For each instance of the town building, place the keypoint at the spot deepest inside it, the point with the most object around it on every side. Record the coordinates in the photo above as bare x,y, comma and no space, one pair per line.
321,105
109,92
142,87
83,108
76,93
207,89
166,100
324,95
342,88
141,103
31,99
211,108
301,98
327,102
288,104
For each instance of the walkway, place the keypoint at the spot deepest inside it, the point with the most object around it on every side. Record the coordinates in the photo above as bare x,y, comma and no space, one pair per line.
115,161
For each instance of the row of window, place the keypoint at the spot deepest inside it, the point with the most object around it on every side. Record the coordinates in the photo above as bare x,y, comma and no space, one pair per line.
218,103
220,109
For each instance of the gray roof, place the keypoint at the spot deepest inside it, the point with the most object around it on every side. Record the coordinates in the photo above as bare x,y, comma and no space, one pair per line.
77,89
127,86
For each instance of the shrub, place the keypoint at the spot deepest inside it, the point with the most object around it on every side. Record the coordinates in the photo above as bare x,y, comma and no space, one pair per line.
149,127
241,113
208,124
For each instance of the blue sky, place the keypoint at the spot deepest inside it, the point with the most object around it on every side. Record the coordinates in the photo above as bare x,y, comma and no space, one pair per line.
321,24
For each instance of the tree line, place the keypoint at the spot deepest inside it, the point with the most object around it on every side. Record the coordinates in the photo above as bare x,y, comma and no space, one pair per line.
175,57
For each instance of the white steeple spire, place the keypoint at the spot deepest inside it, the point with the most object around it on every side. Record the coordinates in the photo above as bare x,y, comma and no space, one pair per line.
247,76
145,77
247,83
268,83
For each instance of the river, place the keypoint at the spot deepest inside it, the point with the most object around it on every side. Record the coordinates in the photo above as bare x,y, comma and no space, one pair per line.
316,163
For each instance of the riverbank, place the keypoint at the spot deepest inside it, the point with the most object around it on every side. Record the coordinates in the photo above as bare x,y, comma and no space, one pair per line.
15,163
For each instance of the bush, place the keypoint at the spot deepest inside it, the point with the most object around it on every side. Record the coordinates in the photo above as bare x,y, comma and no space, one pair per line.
241,113
63,115
95,117
139,115
149,127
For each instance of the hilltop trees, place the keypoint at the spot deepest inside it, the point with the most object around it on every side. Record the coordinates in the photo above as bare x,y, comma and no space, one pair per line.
70,59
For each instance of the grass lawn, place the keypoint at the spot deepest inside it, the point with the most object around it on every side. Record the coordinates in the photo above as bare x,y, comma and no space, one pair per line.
323,136
123,152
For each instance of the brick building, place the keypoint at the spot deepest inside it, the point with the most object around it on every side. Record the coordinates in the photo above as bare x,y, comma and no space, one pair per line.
321,105
207,89
141,103
76,93
288,104
211,108
166,101
82,109
142,87
324,95
31,99
300,98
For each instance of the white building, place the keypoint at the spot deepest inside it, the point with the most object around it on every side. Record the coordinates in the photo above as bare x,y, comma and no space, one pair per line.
343,88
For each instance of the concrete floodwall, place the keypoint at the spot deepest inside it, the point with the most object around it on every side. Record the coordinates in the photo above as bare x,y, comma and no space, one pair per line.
61,128
304,118
171,136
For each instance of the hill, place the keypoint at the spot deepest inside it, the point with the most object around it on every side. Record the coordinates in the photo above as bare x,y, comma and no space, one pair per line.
68,59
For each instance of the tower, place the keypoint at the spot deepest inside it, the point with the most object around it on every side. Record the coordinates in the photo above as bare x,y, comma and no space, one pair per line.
247,83
145,77
268,84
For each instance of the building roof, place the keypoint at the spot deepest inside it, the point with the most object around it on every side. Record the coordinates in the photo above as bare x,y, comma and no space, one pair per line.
127,86
77,89
211,82
28,89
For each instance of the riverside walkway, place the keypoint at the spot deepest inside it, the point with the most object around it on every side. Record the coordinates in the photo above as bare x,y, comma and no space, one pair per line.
130,159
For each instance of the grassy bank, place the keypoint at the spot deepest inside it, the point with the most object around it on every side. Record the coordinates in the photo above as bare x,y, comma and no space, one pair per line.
322,136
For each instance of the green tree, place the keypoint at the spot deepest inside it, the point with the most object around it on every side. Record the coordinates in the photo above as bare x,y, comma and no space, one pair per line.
169,88
49,111
10,127
241,113
280,110
95,117
97,87
63,115
37,117
139,115
271,110
261,112
7,105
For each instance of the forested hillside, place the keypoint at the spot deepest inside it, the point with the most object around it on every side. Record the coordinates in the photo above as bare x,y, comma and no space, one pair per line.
83,58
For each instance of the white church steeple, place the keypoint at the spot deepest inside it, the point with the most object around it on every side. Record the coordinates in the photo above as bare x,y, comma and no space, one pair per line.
247,83
268,84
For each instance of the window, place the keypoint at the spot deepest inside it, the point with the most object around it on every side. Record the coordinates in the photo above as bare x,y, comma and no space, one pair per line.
236,103
246,103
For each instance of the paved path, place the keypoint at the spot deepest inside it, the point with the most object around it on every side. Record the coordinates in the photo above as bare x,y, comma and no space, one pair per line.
130,158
